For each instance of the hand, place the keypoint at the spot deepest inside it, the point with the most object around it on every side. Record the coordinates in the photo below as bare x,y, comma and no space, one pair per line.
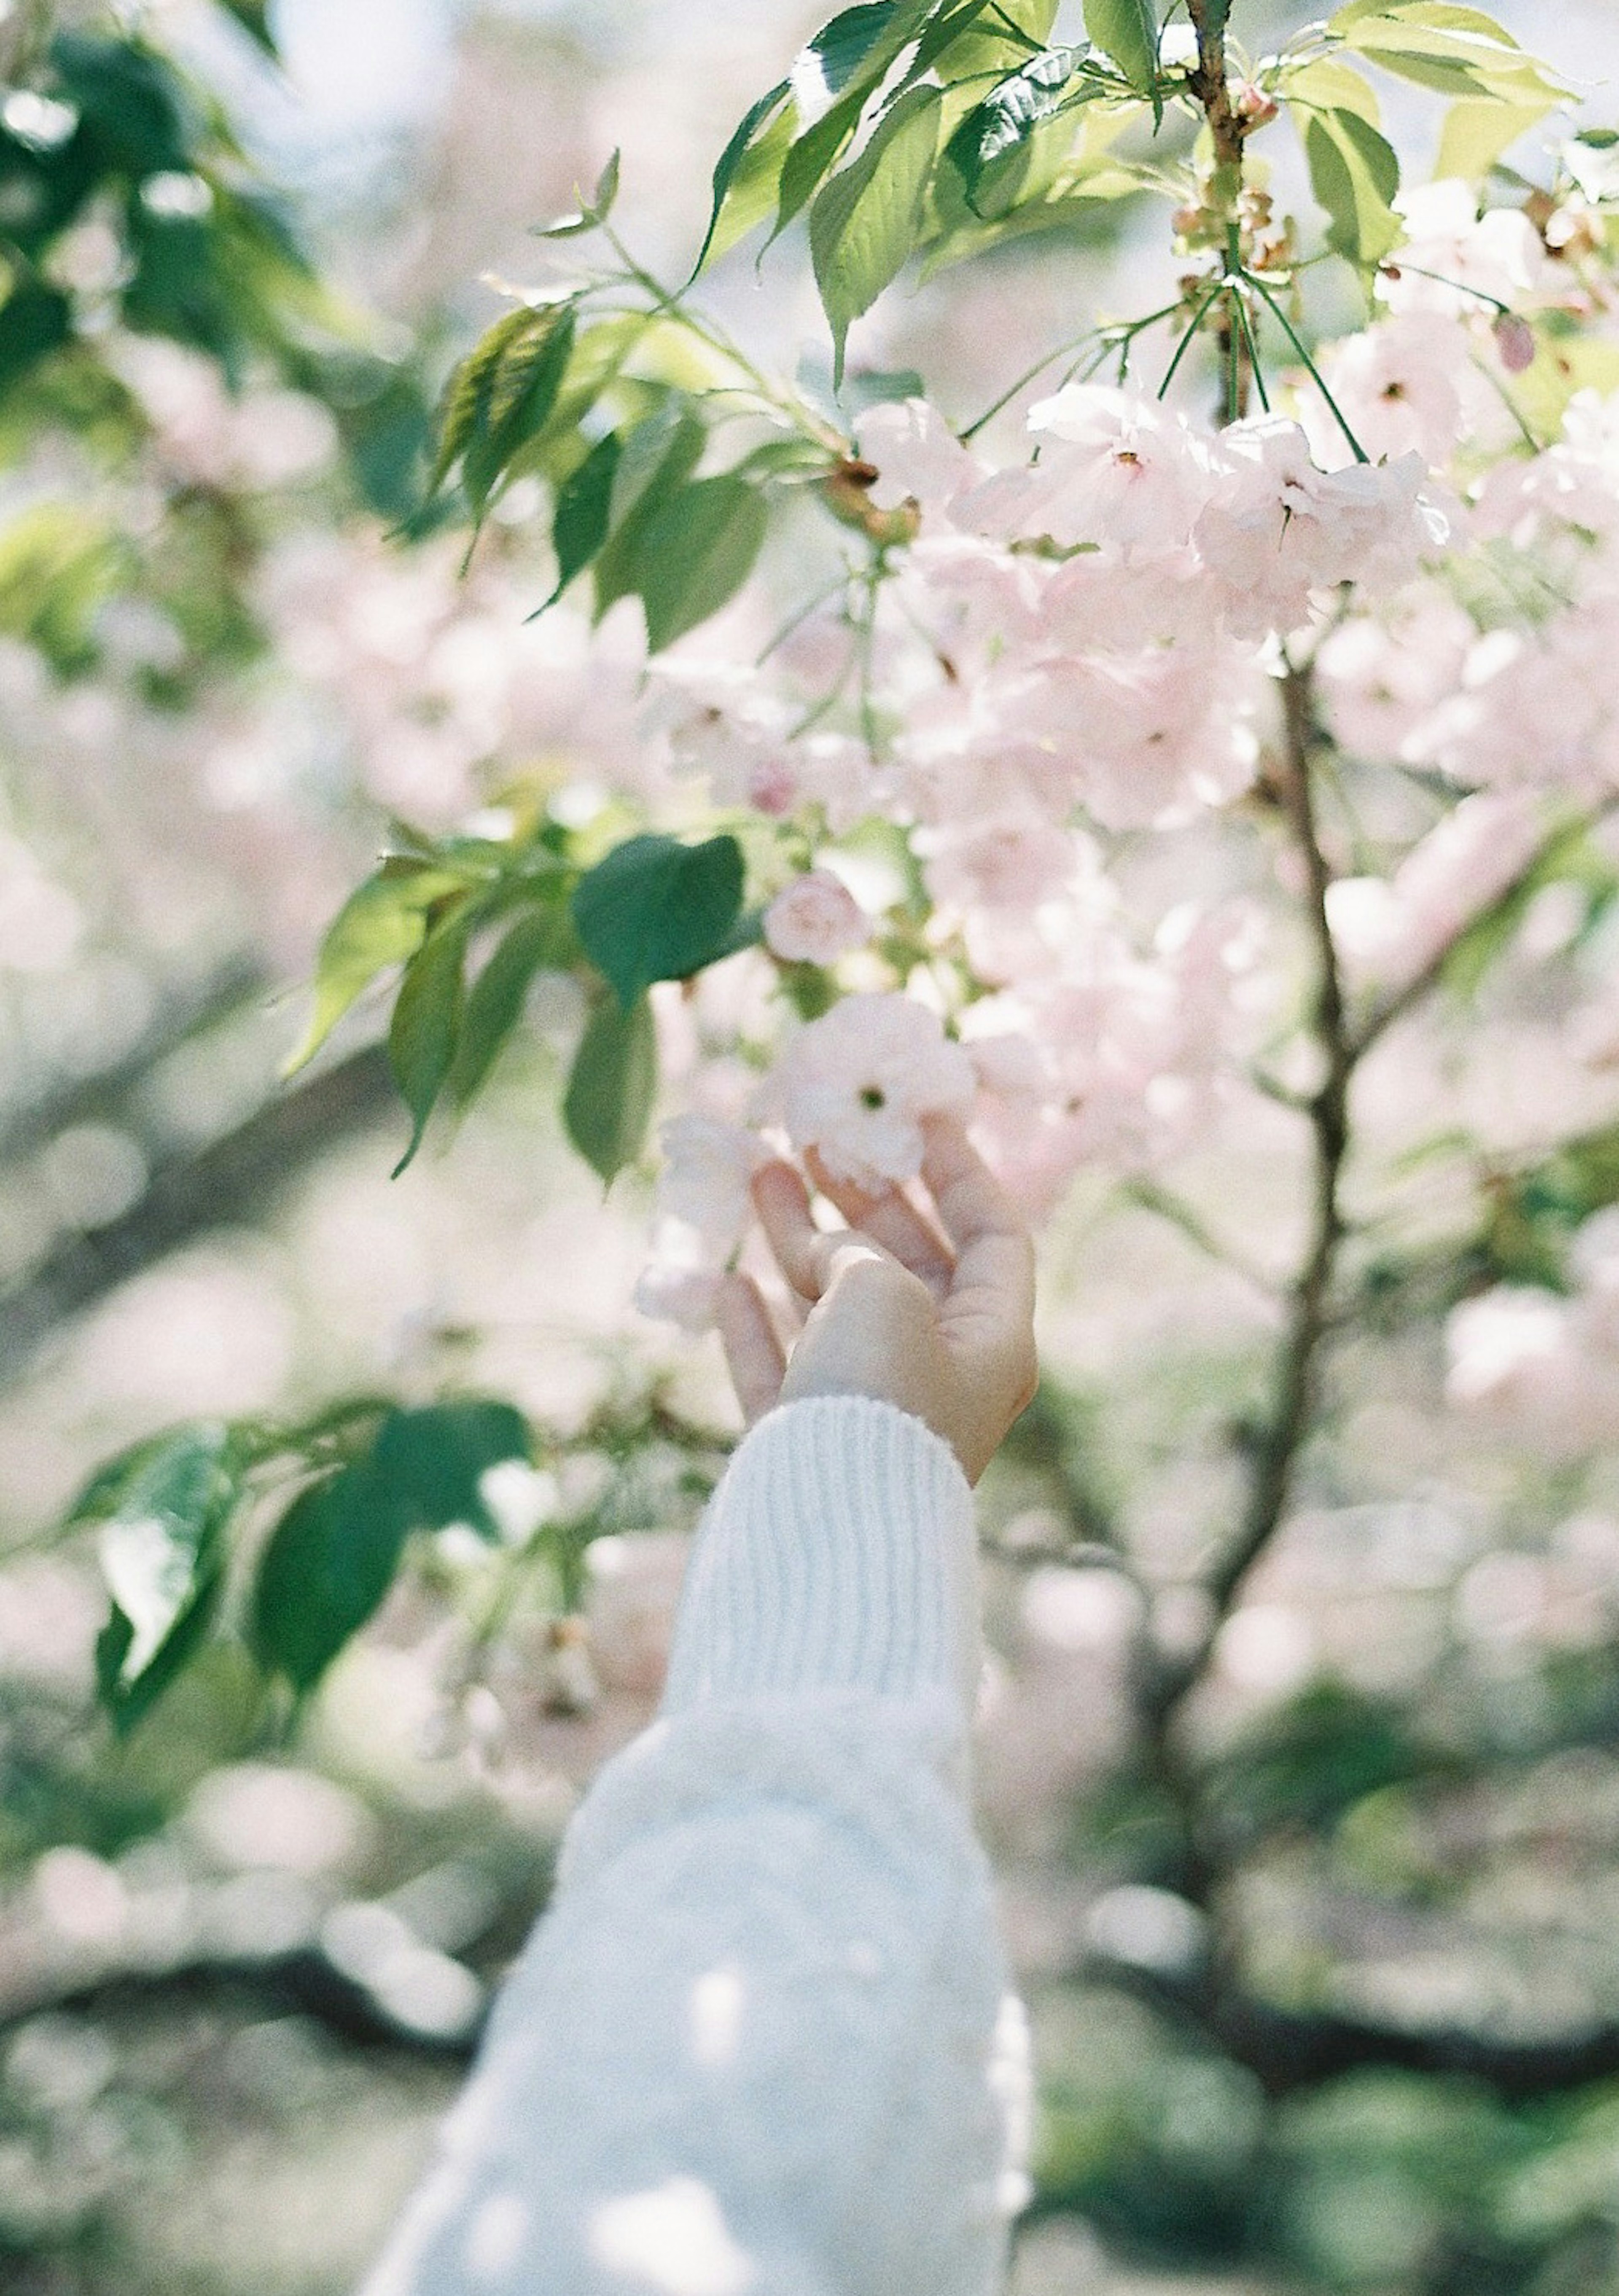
934,1319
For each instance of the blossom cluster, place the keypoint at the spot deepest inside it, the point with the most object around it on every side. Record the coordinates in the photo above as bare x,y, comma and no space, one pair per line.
1084,643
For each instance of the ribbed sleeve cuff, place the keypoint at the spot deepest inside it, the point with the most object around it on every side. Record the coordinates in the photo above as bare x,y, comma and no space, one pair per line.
837,1554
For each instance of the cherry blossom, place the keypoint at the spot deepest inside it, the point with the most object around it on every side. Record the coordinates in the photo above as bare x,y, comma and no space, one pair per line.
1280,530
1116,469
815,920
1456,261
856,1083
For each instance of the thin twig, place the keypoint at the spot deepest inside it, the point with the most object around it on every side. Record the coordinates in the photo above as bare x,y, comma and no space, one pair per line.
1287,1424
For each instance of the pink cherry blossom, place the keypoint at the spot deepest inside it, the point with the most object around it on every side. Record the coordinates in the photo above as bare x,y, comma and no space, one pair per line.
917,458
1390,931
1379,679
1116,469
708,1166
1138,738
1280,530
1403,387
856,1085
1456,261
815,920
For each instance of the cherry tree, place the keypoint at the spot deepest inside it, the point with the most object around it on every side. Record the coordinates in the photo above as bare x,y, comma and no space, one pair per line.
1114,765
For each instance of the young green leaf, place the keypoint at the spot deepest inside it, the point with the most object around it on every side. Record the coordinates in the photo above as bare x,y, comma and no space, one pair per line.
329,1562
162,1509
742,194
538,940
864,225
860,44
1478,130
655,460
431,1462
501,394
253,16
1355,176
613,1086
1127,30
1007,116
657,910
595,212
693,553
1459,51
380,924
579,516
522,390
427,1024
825,68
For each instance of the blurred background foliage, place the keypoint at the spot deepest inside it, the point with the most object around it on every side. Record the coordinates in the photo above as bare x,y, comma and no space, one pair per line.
1328,2004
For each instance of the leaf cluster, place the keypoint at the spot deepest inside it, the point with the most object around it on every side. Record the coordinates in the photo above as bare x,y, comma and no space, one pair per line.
471,922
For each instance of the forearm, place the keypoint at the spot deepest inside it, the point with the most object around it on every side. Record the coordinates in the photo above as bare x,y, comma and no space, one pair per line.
766,2012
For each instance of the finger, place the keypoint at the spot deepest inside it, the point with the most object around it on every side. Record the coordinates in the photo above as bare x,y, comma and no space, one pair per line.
807,1258
757,1361
971,1201
891,1220
992,1294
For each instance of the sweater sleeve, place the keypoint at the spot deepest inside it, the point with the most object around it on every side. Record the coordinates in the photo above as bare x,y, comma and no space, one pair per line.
761,2044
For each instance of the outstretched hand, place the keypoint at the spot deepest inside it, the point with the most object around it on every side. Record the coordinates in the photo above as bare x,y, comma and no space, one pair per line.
936,1319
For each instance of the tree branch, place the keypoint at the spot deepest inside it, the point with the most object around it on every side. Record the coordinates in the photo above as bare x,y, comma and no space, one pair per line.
1287,2050
29,1125
1207,81
188,1195
1280,1441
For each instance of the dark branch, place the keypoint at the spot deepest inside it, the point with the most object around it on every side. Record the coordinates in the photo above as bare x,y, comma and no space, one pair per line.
31,1124
1287,2050
230,1180
1207,81
1286,1427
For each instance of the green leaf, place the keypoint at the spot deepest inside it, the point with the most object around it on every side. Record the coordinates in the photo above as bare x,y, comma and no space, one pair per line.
1354,175
821,145
254,18
655,460
834,56
1329,84
604,197
580,517
431,1461
501,395
162,1508
131,100
522,390
1127,30
427,1024
595,211
694,551
1003,123
972,40
329,1562
381,923
613,1086
34,320
864,225
1459,51
1478,130
657,910
745,183
535,943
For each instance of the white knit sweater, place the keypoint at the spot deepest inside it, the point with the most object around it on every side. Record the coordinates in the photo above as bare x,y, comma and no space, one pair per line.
761,2044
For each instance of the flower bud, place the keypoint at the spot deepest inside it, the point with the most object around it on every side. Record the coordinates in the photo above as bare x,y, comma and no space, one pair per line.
1515,341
